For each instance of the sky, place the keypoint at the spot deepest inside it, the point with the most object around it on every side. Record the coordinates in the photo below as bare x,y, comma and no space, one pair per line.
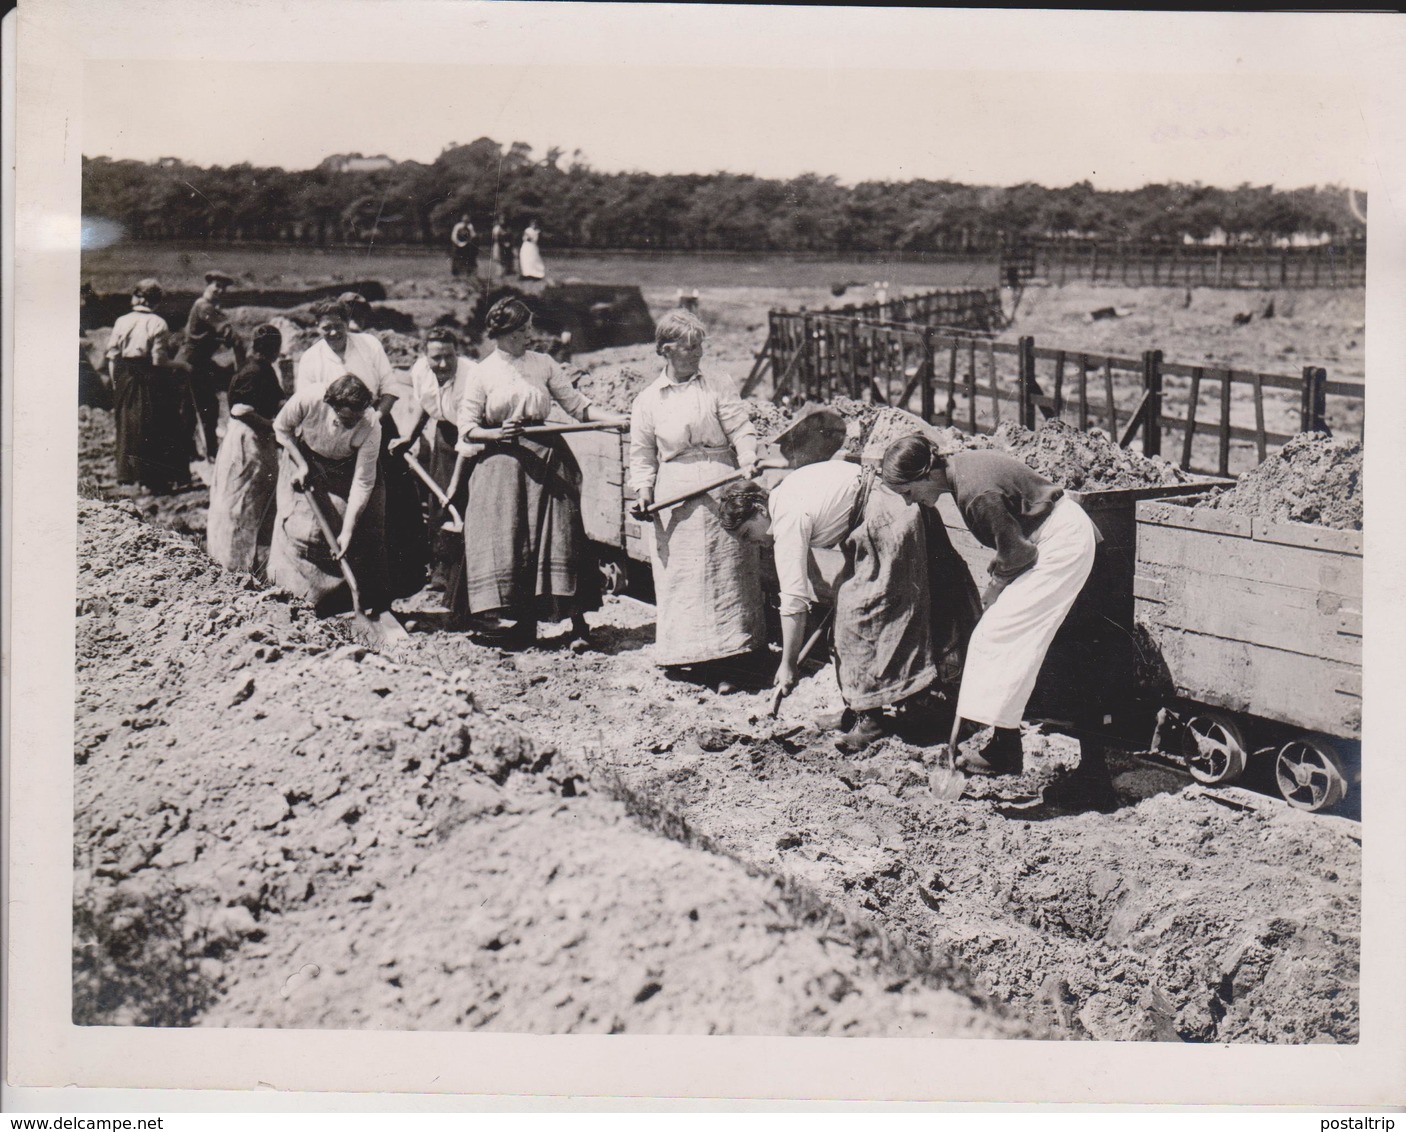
853,100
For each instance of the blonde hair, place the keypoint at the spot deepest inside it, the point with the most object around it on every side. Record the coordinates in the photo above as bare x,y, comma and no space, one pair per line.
679,326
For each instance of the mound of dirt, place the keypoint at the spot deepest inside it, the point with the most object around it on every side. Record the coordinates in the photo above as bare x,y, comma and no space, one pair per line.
1081,461
1312,479
612,387
276,827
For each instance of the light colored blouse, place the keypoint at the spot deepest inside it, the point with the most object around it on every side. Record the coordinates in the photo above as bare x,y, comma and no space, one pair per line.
366,358
137,334
501,389
670,418
309,418
441,402
810,507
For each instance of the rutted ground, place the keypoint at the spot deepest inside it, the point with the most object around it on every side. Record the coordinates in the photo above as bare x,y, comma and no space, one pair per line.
275,827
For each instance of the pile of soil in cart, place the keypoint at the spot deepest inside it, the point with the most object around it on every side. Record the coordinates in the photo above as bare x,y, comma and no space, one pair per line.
1314,478
276,827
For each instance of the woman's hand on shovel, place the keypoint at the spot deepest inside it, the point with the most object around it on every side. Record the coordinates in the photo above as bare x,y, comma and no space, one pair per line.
781,686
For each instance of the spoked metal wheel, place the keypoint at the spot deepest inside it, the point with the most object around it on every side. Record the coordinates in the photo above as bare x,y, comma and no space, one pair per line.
1215,748
614,578
1310,773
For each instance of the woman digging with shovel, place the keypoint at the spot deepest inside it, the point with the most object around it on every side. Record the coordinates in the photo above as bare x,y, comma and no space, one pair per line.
1044,545
331,439
883,643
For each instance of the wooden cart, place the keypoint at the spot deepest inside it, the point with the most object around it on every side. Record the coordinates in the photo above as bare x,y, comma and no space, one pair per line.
1259,625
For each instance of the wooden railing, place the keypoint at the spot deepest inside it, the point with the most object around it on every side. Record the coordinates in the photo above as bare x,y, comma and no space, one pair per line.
1213,419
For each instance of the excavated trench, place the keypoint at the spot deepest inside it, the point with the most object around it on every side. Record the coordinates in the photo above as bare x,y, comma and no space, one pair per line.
234,754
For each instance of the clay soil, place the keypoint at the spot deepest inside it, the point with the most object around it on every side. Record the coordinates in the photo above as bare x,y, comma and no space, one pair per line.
310,834
276,827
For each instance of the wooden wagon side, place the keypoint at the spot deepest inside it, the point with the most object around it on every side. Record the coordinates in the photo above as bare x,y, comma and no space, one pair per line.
1262,621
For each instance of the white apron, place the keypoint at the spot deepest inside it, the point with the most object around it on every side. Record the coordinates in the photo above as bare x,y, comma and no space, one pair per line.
707,583
1010,641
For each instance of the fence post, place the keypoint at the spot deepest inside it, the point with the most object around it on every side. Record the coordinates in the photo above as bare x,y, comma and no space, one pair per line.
1152,386
929,370
1027,382
808,356
1314,406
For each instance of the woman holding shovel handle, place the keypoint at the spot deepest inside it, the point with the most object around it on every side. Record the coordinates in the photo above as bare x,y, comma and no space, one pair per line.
331,440
688,429
526,558
1044,545
438,378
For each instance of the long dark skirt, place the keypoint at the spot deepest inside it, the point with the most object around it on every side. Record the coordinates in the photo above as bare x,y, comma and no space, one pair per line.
407,546
525,551
446,547
956,604
146,410
300,559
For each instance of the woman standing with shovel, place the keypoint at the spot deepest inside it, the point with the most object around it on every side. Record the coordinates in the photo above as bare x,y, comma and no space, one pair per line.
439,378
687,429
526,558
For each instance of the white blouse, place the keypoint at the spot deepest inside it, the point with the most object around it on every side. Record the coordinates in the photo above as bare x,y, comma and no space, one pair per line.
670,418
810,507
137,334
309,418
502,389
441,402
365,358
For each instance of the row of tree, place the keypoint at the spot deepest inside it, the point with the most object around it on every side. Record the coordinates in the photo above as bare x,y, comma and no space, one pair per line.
580,207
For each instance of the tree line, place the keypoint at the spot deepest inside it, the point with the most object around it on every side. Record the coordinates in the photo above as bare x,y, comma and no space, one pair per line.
349,198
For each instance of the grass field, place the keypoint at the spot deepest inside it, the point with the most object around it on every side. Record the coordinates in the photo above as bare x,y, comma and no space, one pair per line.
183,268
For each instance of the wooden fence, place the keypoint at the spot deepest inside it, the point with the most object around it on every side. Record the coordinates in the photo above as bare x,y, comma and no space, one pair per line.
1187,265
1215,420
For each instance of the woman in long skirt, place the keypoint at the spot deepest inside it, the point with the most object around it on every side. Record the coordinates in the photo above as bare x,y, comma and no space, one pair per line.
243,492
146,412
331,440
439,378
687,429
526,558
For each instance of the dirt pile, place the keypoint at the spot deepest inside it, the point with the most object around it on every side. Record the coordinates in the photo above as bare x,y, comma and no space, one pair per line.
275,827
1313,479
1084,461
613,387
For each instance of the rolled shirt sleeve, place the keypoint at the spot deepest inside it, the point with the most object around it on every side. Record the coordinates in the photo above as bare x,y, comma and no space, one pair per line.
991,521
791,535
471,408
285,424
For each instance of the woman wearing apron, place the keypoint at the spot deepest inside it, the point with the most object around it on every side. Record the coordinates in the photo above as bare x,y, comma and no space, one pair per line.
331,439
1044,545
687,429
526,558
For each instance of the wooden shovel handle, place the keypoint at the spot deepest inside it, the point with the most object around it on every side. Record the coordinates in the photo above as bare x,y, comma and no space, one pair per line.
331,538
721,481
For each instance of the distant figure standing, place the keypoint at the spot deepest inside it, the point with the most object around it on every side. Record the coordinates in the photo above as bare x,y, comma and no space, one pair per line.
149,450
207,329
502,251
463,248
530,265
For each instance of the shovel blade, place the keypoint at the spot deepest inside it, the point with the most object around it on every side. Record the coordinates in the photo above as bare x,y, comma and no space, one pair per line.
946,783
381,631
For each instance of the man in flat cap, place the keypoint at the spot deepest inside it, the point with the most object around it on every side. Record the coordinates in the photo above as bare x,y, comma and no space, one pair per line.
207,329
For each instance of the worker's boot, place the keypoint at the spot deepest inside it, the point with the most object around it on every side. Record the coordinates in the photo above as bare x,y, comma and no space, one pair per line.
1001,755
868,727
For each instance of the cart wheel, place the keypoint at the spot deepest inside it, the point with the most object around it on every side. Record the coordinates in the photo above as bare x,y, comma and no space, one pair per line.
1215,748
614,578
1310,773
